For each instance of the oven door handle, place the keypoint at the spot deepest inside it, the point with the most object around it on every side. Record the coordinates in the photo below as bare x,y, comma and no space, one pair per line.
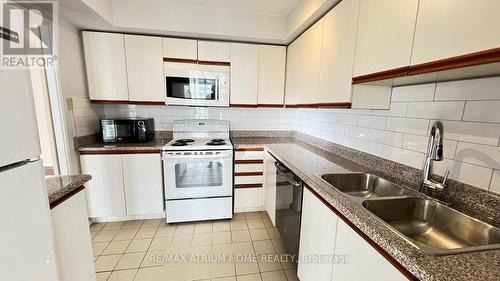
285,172
198,158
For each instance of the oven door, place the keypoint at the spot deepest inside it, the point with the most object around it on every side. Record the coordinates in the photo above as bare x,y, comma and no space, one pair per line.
198,174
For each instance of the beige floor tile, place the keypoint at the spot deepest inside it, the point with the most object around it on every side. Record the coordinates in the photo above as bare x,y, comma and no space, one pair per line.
96,227
133,224
230,278
202,239
221,226
165,231
255,223
252,215
264,214
291,275
239,216
239,225
130,261
278,245
146,232
274,276
184,229
245,248
273,232
240,236
154,258
268,262
152,274
160,243
103,276
98,247
267,222
182,241
250,277
221,237
243,268
123,275
223,249
198,271
126,234
152,223
93,234
263,247
259,234
116,247
114,225
139,245
201,250
288,263
222,270
203,227
106,263
105,236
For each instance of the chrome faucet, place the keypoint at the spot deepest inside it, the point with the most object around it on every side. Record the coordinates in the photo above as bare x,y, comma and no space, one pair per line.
434,153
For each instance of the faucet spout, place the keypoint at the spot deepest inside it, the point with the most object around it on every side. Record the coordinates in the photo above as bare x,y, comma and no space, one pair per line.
434,153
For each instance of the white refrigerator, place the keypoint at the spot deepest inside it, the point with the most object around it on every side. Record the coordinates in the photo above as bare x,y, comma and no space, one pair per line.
26,236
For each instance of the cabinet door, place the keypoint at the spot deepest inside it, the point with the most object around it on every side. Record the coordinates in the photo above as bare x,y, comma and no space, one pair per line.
244,73
142,179
385,35
317,237
271,88
361,255
452,28
310,63
176,48
105,193
293,72
214,51
144,68
105,63
337,52
270,187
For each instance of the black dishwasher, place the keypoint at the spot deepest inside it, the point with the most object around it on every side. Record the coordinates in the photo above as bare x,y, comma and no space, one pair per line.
288,208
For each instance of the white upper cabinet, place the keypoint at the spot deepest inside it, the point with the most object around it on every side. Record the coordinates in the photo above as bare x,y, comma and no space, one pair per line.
362,256
293,72
337,53
144,68
176,48
214,51
105,63
271,81
310,62
244,73
452,28
385,35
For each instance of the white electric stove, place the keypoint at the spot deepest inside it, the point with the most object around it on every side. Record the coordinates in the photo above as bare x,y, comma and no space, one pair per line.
198,171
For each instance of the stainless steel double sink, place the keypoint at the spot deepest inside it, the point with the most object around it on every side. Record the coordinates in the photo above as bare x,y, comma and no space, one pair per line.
424,222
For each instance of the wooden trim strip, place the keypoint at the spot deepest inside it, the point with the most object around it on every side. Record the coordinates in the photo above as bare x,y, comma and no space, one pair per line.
307,105
248,162
57,202
118,151
248,185
270,105
243,105
179,60
148,102
387,74
246,174
472,59
346,105
379,249
128,102
249,149
221,63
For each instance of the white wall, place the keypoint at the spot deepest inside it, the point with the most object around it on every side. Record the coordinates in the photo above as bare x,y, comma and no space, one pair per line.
469,110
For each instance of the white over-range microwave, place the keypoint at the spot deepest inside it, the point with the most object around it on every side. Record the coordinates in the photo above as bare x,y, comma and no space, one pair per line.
196,84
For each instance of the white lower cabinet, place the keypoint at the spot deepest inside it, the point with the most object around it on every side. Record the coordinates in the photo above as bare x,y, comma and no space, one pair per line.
365,263
270,186
123,186
317,239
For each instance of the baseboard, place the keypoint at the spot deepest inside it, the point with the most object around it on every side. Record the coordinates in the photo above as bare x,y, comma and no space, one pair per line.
249,209
129,218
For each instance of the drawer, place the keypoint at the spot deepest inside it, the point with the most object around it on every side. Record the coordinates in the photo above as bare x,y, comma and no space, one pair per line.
249,155
245,168
248,179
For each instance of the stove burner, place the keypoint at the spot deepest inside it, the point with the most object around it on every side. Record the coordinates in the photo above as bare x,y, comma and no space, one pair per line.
179,144
217,140
184,140
216,143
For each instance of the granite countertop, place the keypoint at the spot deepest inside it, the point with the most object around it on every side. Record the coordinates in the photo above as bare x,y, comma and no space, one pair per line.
307,162
61,188
154,145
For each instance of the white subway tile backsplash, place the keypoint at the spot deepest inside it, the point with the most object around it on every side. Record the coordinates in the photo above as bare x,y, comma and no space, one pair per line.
482,155
368,147
386,137
371,121
474,89
403,156
358,132
446,110
407,125
423,92
347,119
419,143
464,172
495,182
397,109
482,111
483,133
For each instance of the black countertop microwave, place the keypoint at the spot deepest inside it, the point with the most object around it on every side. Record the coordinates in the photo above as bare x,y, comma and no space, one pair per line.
124,130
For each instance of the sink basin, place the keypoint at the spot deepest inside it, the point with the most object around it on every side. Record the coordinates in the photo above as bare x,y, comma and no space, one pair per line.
433,227
364,185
